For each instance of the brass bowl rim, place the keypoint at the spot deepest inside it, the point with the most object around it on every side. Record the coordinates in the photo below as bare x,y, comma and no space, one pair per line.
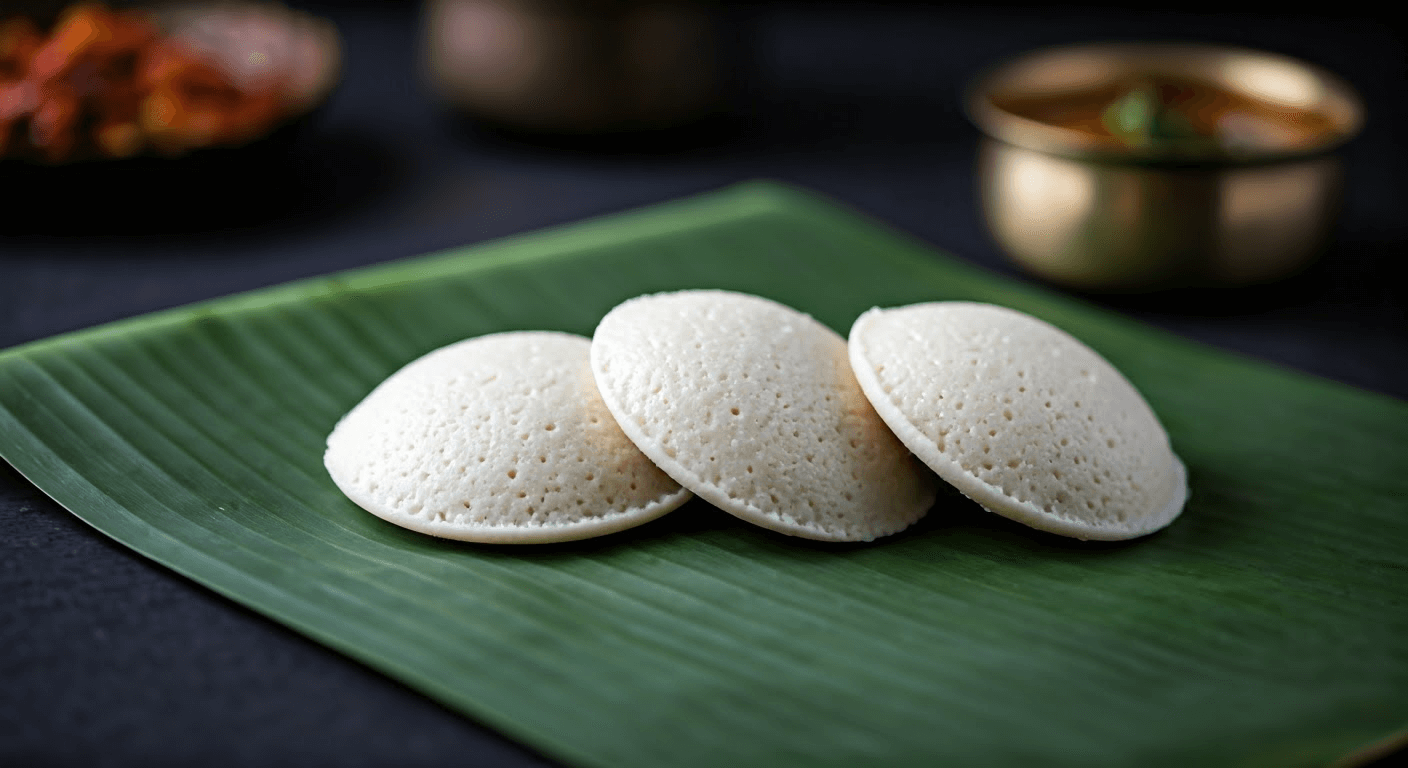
1334,97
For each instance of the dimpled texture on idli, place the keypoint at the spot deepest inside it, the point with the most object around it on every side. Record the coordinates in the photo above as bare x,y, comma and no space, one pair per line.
497,439
752,405
1021,417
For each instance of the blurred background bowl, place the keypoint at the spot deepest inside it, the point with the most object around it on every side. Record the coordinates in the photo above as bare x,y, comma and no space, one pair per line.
260,47
213,186
574,67
1081,207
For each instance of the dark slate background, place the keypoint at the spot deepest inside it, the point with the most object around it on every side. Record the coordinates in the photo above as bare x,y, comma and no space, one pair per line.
108,659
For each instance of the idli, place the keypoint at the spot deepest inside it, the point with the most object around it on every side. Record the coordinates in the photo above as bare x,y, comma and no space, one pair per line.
497,439
1021,417
752,405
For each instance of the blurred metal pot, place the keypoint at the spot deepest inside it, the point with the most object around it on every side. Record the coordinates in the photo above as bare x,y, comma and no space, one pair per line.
574,66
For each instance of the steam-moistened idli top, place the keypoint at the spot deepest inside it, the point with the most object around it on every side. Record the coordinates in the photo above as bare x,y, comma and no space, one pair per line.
497,439
1021,417
752,405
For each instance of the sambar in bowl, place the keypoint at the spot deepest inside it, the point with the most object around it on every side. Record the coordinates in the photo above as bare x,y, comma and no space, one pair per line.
1138,166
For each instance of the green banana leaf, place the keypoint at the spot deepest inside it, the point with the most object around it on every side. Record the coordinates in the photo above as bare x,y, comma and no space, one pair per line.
1266,627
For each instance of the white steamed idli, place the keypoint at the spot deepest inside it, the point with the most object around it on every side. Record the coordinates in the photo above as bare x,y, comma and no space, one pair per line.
497,439
1021,417
752,405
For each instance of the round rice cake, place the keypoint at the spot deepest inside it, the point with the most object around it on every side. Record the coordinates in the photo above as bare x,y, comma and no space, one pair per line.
752,405
1021,417
497,439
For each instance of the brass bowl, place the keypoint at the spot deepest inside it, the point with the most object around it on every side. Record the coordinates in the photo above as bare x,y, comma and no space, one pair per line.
1094,213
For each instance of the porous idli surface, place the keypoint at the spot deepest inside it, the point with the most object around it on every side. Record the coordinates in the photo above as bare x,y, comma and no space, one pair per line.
497,439
752,405
1021,417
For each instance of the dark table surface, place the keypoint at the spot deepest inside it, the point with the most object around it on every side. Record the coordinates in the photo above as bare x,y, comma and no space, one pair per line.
108,659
